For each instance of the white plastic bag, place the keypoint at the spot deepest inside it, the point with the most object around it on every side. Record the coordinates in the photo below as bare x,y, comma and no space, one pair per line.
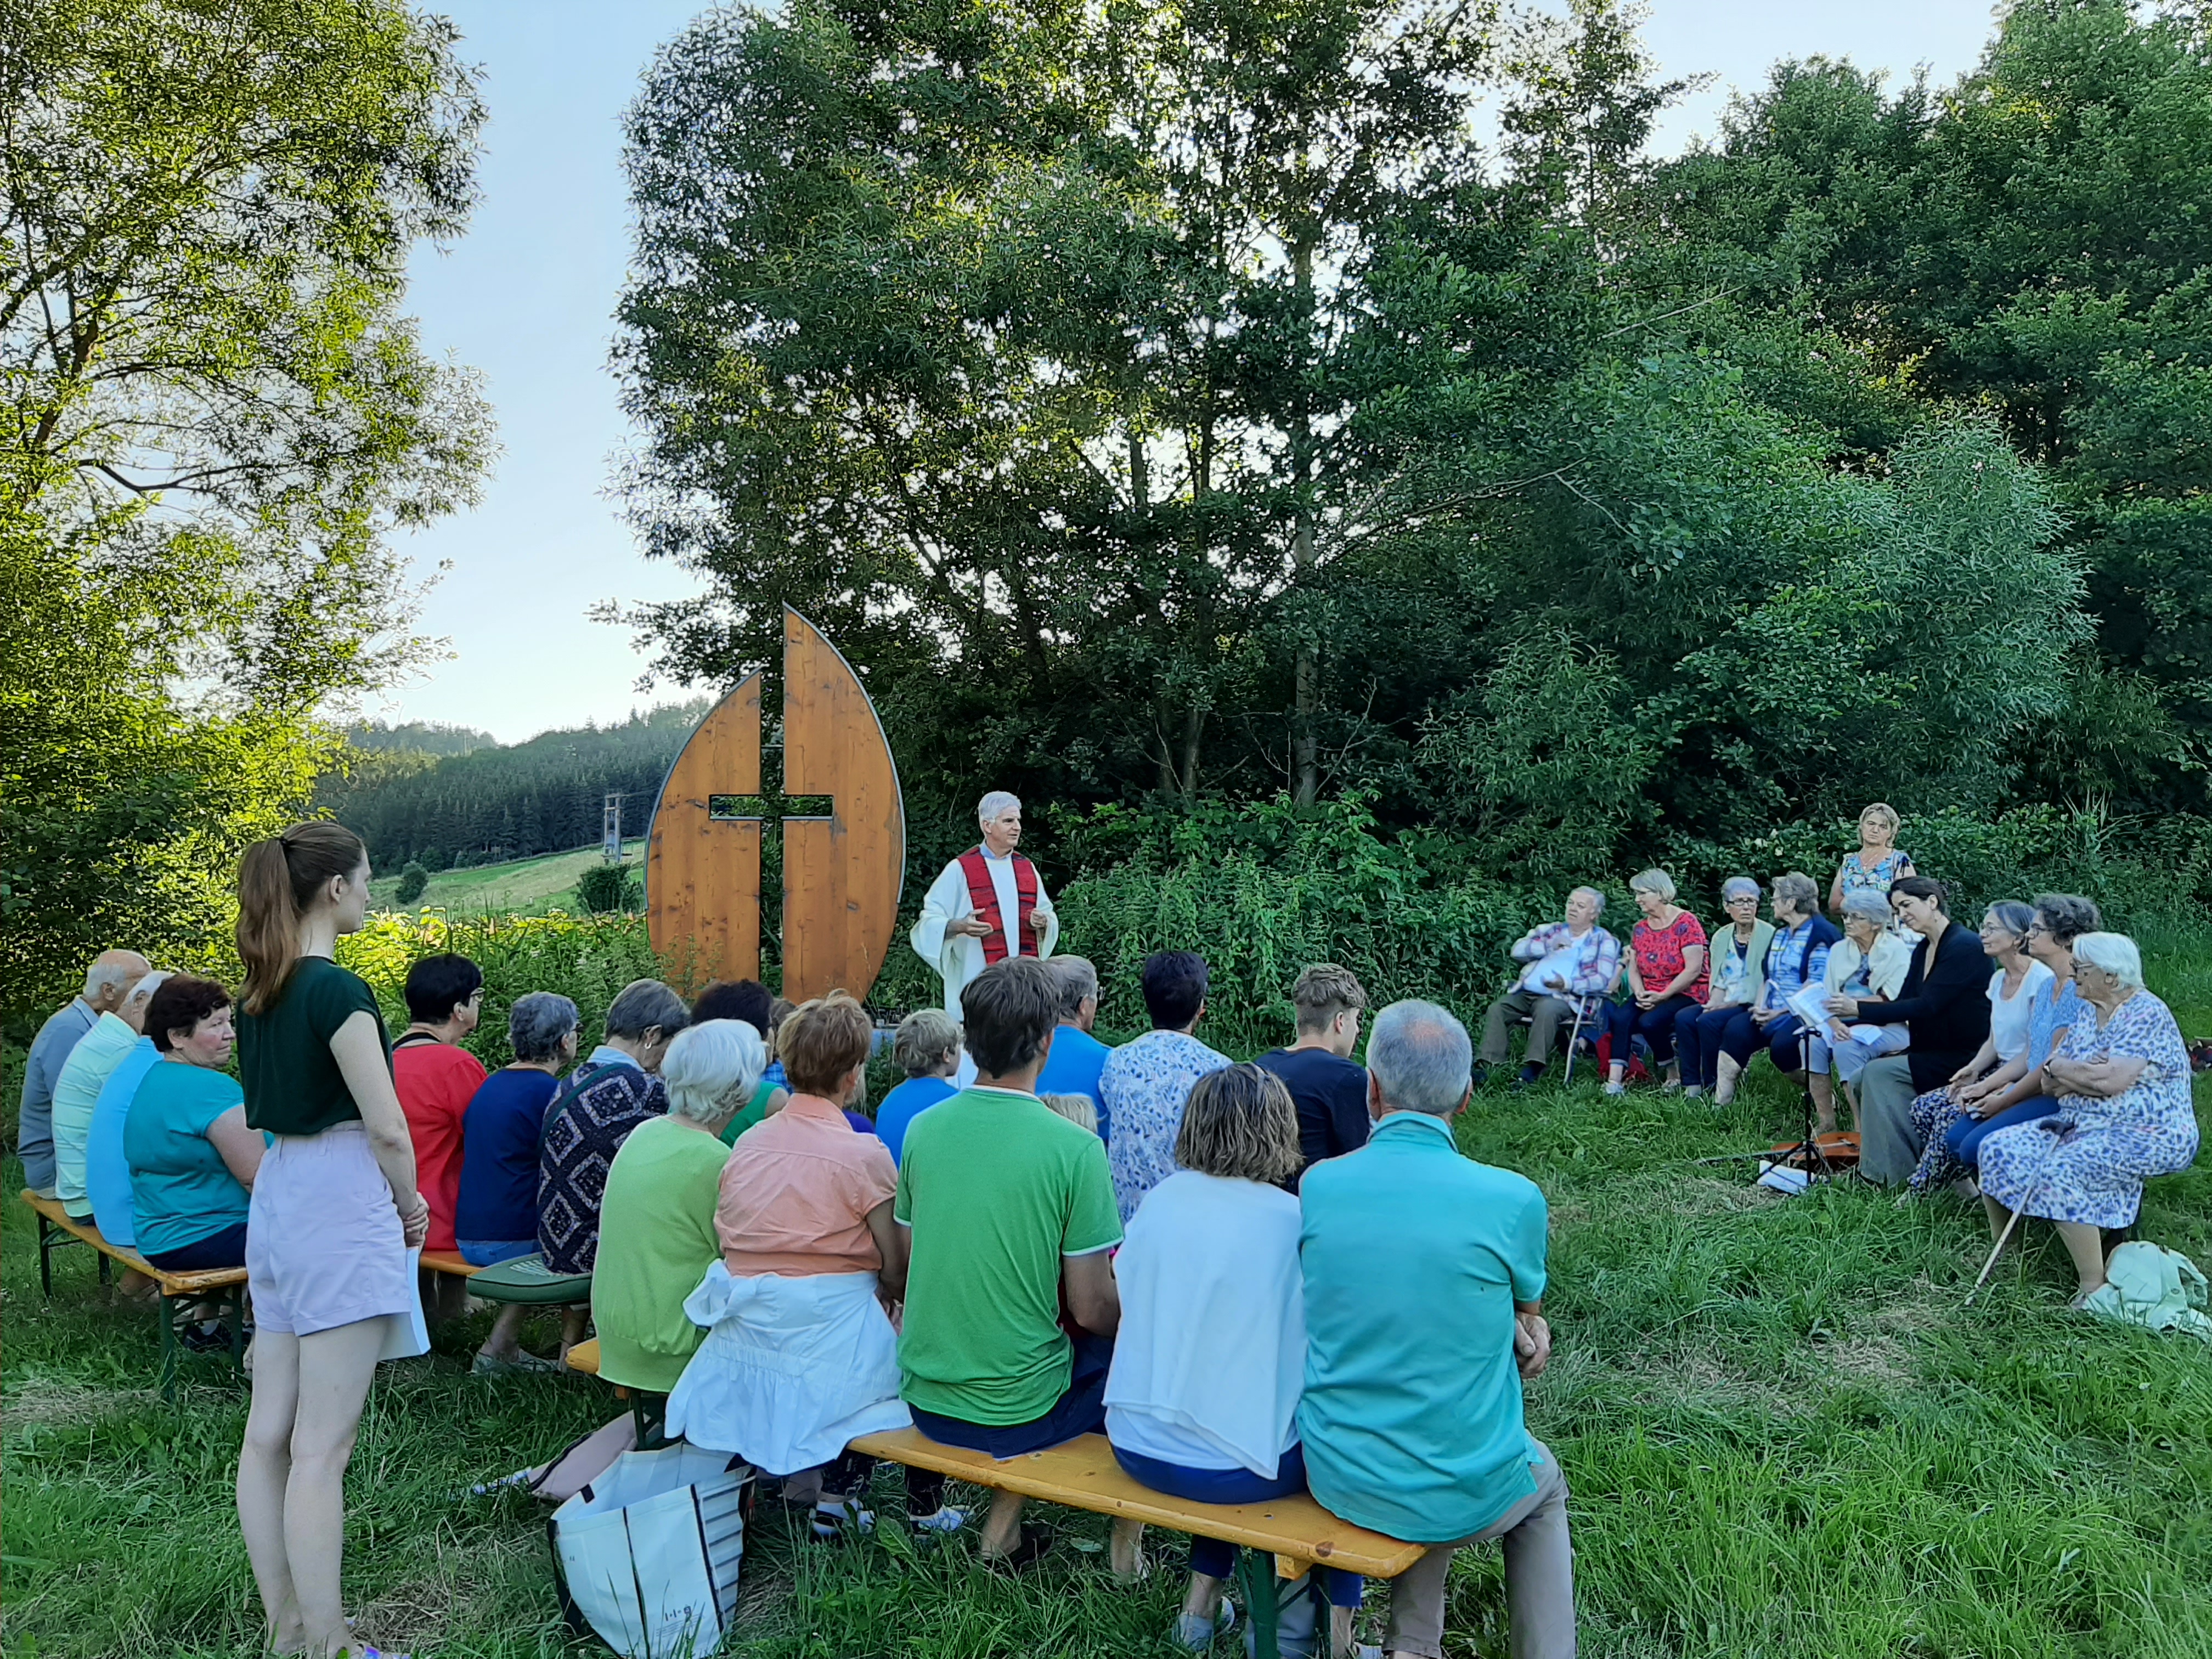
648,1555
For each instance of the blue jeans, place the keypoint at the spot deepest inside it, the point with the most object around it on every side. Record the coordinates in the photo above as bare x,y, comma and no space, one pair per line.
1210,1556
1742,1037
1655,1024
1698,1041
1081,1410
224,1249
1964,1139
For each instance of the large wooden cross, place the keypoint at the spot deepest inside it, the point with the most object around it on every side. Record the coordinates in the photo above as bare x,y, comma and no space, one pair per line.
843,867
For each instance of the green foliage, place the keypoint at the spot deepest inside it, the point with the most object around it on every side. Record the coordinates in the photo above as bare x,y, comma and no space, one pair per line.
585,958
214,411
488,804
418,738
412,880
605,887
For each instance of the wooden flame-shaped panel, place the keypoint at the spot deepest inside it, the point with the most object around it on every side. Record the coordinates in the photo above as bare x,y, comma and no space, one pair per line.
703,874
842,874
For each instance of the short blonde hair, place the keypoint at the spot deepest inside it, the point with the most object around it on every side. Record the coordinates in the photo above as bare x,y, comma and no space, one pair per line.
823,1039
1654,881
1079,1109
1882,812
1239,1123
926,1038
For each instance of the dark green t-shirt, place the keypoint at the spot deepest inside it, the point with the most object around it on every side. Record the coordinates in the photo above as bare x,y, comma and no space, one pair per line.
293,1084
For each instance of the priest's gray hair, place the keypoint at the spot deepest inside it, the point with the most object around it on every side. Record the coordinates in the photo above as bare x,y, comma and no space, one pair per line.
997,802
1420,1058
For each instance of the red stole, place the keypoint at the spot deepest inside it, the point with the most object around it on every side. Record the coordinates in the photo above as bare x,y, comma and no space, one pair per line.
985,897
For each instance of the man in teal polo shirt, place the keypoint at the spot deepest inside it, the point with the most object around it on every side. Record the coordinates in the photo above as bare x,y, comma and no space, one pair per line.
1423,1285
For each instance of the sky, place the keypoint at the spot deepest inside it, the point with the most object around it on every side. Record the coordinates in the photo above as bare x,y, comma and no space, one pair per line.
528,297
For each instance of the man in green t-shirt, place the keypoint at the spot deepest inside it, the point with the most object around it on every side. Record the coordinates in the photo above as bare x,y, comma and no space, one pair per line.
1003,1204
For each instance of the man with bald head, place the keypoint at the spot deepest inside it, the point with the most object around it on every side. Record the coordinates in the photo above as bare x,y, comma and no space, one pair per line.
988,906
108,984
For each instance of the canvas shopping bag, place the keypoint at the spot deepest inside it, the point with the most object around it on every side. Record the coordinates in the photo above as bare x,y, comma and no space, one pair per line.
646,1556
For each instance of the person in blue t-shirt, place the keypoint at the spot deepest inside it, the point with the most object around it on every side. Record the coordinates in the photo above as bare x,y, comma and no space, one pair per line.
192,1157
1077,1057
1411,1413
927,1049
495,1218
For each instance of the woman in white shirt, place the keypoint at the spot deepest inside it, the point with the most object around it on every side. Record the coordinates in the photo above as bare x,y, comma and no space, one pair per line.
1203,1400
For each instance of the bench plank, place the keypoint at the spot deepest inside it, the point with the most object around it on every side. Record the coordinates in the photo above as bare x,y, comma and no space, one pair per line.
184,1283
1082,1474
450,1262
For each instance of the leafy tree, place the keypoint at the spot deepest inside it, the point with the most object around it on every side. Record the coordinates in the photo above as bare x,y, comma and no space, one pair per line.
413,878
214,412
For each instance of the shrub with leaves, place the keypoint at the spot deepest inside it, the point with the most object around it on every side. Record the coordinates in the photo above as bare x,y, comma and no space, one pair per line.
412,880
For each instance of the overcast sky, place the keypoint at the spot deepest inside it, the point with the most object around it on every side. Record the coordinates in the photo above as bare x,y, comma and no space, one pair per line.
527,298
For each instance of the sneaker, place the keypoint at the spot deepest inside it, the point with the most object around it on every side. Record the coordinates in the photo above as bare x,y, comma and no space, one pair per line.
1693,1091
946,1520
1532,1072
833,1517
1616,1088
1194,1635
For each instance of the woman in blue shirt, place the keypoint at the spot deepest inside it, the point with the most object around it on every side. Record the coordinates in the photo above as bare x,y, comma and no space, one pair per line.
192,1157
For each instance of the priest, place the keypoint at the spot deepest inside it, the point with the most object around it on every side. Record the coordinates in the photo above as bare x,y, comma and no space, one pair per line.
987,905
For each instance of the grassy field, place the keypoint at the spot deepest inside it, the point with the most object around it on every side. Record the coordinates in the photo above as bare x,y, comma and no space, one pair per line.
522,887
1784,1434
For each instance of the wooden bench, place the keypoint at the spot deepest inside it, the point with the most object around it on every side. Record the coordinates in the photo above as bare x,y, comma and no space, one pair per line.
449,1261
1293,1534
225,1287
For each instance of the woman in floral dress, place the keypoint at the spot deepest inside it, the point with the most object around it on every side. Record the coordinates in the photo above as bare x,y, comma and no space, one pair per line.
1879,862
2123,1114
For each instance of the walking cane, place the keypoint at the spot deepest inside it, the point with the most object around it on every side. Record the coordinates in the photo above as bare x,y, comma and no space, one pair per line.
2018,1210
1574,1039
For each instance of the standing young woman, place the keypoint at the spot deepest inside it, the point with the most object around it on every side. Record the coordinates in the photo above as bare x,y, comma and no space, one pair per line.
334,1212
1879,863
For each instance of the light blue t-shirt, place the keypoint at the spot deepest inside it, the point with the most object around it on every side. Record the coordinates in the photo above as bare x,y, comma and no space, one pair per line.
106,1172
1413,1257
1072,1068
906,1102
181,1191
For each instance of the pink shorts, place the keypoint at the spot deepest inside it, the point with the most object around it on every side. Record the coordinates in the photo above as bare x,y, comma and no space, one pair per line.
324,1246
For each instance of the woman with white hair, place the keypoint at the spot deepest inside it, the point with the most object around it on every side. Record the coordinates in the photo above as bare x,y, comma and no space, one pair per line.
657,1222
2123,1114
1739,979
987,905
1868,964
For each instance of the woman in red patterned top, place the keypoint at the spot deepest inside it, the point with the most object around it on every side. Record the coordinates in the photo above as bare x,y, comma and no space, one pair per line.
1667,973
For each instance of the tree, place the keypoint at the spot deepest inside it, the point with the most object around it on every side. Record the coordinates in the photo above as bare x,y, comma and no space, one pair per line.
413,878
214,411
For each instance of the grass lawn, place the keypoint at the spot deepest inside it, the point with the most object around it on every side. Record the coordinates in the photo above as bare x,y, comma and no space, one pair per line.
1785,1435
521,887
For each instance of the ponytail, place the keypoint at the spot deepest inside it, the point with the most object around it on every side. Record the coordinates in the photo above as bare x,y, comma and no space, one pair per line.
278,881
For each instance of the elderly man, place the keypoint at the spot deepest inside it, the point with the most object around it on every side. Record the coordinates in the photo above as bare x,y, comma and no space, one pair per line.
1412,1415
1078,1058
986,906
1573,966
110,978
95,1058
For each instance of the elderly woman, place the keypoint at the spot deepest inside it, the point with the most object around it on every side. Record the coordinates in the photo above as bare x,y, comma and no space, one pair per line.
1878,865
799,1356
1739,979
192,1157
1568,965
1666,974
2014,1092
2123,1114
1797,958
927,1049
657,1234
496,1211
613,1092
1944,1007
1202,1399
1868,964
2018,978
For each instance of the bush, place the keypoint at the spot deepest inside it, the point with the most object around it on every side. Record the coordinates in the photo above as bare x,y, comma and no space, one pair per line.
586,958
606,887
412,880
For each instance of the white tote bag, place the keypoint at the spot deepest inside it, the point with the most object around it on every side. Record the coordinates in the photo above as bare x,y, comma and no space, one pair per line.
647,1555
